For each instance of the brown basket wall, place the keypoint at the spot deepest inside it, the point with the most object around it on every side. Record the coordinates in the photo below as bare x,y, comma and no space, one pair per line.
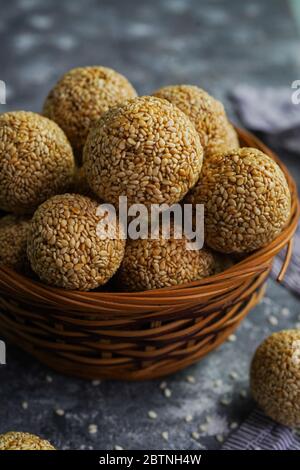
138,335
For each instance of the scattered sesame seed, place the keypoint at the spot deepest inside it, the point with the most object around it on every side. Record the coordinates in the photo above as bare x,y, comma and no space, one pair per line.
167,393
208,418
190,379
49,379
93,428
225,401
203,427
95,383
117,447
218,383
152,414
188,418
233,425
24,405
233,375
195,435
285,312
59,412
273,320
231,338
163,385
165,435
220,438
243,393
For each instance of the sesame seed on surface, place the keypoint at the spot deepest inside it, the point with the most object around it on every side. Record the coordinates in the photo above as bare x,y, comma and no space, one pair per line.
152,414
246,198
63,246
153,264
146,149
13,241
81,96
206,113
275,377
93,428
36,161
23,441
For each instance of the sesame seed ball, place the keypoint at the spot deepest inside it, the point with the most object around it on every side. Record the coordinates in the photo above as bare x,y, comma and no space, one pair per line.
206,113
81,96
13,241
275,377
246,198
153,264
23,441
147,150
36,161
64,248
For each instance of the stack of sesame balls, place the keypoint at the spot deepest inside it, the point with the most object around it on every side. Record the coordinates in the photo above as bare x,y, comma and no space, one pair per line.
95,141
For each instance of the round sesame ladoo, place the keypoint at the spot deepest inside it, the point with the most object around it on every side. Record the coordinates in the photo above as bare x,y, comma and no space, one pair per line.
147,150
81,96
13,241
275,377
153,264
206,113
36,161
23,441
246,197
64,246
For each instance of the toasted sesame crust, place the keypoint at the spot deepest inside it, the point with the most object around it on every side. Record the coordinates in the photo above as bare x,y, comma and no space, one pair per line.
64,248
147,150
206,113
23,441
246,197
275,377
36,161
81,96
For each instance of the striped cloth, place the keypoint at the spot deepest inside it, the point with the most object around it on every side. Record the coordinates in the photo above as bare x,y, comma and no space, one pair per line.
271,114
261,433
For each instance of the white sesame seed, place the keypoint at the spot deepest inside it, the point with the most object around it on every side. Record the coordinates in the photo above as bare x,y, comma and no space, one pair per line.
188,418
285,312
117,447
233,375
49,379
203,427
232,338
95,383
190,379
220,438
24,405
243,393
195,435
165,435
152,414
59,412
225,401
273,320
233,425
93,428
163,385
167,393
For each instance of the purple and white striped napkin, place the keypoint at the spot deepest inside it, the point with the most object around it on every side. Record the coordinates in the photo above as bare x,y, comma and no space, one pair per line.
271,113
261,433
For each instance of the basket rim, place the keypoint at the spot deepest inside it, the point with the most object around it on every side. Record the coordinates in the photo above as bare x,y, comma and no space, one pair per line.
256,263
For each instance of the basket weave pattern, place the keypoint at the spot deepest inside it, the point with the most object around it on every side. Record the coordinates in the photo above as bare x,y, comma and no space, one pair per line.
140,335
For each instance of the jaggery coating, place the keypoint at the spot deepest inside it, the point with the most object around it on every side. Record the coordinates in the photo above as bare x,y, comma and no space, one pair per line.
206,113
246,200
36,161
147,150
153,264
23,441
81,96
275,377
13,241
64,247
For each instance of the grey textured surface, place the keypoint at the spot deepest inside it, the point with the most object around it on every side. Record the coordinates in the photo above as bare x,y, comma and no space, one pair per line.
216,45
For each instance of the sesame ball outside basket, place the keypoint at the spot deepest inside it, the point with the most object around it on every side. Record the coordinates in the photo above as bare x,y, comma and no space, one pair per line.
23,441
147,150
13,241
64,248
153,264
81,96
36,161
246,198
275,377
206,113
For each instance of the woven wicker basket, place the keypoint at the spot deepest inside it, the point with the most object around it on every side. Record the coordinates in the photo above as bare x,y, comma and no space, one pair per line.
140,335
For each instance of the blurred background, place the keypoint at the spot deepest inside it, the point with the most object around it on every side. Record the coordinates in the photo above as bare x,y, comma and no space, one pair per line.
212,43
220,46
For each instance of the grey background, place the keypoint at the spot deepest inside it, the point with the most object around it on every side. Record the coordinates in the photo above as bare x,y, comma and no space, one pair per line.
216,45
